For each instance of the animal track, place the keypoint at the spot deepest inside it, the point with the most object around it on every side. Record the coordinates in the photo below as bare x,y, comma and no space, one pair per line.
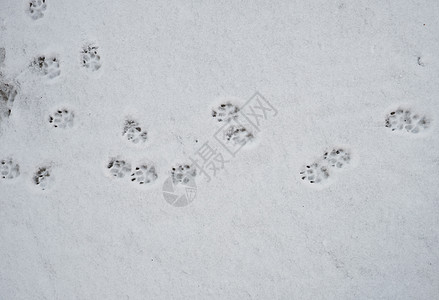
118,168
133,132
37,8
337,158
9,169
183,174
225,112
62,118
321,170
144,174
91,60
43,178
7,97
315,173
238,134
47,66
405,120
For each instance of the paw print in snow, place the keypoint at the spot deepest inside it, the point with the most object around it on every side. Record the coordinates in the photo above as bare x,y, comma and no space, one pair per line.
118,168
62,118
183,174
144,174
315,173
238,134
47,66
36,9
91,60
405,120
7,96
133,132
9,169
337,158
225,112
7,92
322,170
43,178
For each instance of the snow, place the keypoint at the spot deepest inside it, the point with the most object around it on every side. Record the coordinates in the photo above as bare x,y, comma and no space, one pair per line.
333,71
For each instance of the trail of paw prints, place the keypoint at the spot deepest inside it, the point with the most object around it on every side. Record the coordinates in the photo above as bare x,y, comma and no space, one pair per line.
134,133
118,168
9,169
225,112
47,66
62,118
183,174
404,120
323,170
144,174
36,9
8,92
43,178
91,60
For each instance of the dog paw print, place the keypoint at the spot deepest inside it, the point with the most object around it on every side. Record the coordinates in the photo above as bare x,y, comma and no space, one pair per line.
36,9
8,92
48,66
62,118
238,135
43,178
144,174
403,120
9,169
322,170
91,60
337,158
315,173
183,174
133,132
119,168
225,112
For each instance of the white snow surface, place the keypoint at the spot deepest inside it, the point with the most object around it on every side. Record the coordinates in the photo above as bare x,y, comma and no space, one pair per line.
333,70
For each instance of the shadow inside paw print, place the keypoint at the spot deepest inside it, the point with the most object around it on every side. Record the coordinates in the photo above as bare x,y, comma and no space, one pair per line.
225,112
9,169
37,8
337,158
238,135
43,178
47,66
405,120
315,173
91,60
119,168
8,92
144,174
133,132
183,174
62,118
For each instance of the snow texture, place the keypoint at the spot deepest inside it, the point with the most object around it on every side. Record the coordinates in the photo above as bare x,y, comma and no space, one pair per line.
325,187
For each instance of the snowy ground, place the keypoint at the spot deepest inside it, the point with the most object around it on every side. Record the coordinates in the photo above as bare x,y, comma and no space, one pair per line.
339,75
